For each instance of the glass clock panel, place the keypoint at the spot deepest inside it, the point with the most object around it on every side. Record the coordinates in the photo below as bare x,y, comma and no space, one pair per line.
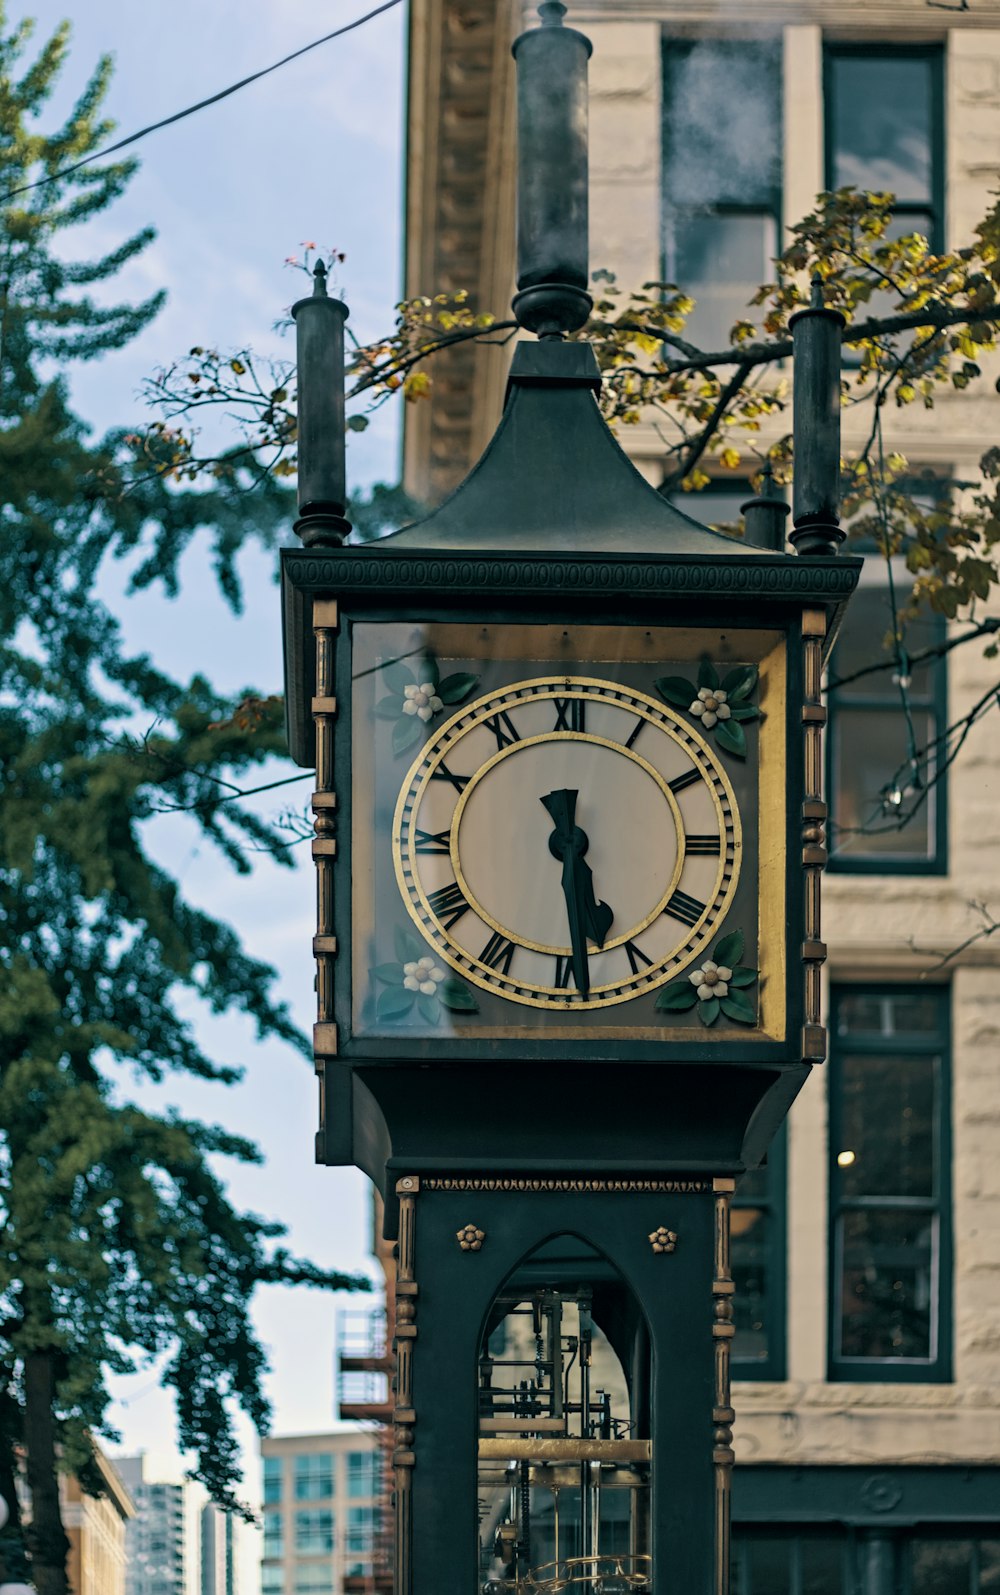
550,828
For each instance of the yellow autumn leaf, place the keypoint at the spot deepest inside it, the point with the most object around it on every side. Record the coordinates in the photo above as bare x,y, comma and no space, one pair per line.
416,386
729,458
238,367
645,342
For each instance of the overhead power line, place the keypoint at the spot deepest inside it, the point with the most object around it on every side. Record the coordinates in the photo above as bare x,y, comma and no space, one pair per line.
213,99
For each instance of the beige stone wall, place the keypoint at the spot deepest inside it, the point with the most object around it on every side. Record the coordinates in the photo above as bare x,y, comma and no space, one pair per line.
897,927
95,1526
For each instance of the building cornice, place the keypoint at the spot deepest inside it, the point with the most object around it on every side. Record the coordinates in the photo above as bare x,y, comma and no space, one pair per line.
459,219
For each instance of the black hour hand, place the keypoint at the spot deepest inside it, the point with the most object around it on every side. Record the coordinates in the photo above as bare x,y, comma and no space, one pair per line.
588,918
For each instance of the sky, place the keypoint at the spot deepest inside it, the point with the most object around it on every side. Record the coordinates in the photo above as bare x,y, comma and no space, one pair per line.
311,152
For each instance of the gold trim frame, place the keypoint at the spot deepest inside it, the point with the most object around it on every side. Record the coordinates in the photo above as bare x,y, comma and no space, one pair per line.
584,688
723,1414
814,815
603,646
404,1416
326,620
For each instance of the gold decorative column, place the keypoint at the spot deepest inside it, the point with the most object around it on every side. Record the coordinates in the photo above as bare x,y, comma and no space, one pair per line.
723,1415
324,847
814,813
404,1417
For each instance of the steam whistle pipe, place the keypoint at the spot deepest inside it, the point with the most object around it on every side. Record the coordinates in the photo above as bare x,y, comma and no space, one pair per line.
816,333
764,516
552,176
319,352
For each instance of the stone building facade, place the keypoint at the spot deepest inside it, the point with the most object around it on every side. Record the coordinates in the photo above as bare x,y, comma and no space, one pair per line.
96,1527
868,1253
321,1512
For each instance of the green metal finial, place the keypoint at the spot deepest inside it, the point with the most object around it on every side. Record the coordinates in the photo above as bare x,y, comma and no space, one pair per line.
816,299
552,13
768,485
319,280
764,515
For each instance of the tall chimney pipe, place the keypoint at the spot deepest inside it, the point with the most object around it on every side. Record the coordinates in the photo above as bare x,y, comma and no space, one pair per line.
319,351
552,177
816,334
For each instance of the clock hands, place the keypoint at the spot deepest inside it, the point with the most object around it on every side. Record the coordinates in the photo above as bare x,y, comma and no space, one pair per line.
587,917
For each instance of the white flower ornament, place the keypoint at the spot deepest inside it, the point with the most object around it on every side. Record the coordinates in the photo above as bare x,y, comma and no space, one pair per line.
711,980
710,706
422,700
423,974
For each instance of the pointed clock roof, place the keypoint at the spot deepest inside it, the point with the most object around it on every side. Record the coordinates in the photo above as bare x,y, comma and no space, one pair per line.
554,480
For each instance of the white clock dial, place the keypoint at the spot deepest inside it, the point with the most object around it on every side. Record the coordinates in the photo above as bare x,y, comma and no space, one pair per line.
567,842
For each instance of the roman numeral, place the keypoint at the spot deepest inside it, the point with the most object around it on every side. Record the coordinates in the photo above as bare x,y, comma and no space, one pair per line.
448,904
433,842
442,773
564,972
637,957
638,727
687,909
571,714
679,782
497,953
503,729
701,845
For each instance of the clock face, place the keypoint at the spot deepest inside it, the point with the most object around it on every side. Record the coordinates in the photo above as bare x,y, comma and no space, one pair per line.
559,834
567,842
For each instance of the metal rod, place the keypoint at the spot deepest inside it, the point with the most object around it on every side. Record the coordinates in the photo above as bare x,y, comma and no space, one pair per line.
562,1449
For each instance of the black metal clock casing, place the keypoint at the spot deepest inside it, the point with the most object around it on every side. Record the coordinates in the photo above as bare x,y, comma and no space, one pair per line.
569,814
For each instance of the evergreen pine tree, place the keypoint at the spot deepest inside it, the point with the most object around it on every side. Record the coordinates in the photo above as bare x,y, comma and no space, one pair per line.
116,1236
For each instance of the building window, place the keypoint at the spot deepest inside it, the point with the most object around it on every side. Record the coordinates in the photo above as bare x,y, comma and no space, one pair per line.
362,1473
272,1480
949,1566
884,129
890,1236
721,175
313,1533
315,1580
274,1534
360,1528
839,1561
758,1265
313,1476
884,750
272,1580
773,1563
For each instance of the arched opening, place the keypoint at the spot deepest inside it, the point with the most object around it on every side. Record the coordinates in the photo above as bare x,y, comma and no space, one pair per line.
564,1453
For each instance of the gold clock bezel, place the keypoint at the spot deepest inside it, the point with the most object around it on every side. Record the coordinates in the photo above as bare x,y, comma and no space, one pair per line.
470,717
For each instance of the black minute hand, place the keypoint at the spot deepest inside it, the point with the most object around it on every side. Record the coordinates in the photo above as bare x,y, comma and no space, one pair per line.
587,917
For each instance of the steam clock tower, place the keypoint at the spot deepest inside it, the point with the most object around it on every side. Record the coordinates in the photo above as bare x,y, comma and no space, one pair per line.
569,832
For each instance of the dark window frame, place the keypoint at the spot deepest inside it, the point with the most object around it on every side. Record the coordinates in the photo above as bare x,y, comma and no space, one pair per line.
775,1201
887,51
897,1543
934,703
864,1370
671,44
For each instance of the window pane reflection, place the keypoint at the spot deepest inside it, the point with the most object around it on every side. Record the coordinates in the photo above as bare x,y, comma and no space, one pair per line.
711,158
749,1267
877,1012
886,1284
721,261
941,1567
870,754
877,1091
881,112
